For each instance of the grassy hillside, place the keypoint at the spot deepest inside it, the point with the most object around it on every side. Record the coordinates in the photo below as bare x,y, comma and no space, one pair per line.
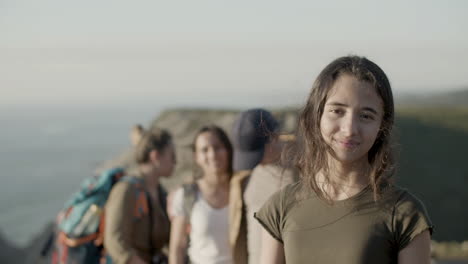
455,117
433,156
458,97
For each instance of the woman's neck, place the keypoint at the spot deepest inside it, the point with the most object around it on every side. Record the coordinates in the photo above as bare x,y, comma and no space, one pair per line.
150,175
215,189
215,180
342,181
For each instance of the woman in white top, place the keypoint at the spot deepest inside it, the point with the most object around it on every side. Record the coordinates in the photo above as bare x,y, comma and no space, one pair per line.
207,238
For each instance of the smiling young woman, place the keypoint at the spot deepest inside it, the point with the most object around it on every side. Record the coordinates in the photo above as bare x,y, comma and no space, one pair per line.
207,217
351,119
346,209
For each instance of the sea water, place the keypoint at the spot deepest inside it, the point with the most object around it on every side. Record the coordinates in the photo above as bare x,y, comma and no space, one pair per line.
45,154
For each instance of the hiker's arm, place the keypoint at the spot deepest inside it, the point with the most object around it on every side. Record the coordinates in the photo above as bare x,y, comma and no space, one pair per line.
272,250
418,251
179,240
118,224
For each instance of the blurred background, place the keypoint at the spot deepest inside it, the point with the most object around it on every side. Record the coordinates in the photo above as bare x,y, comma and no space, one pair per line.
76,75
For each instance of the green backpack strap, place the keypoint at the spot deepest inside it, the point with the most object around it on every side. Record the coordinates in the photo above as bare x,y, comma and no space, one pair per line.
190,196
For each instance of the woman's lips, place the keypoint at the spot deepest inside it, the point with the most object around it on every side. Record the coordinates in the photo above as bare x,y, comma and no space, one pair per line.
348,143
216,164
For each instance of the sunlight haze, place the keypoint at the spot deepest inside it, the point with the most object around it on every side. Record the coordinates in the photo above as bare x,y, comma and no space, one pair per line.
219,52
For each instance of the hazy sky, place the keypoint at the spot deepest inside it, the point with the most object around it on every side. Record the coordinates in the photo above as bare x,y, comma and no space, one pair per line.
62,53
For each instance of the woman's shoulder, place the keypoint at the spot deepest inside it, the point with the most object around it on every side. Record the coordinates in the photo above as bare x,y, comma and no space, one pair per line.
126,188
123,187
399,194
286,196
409,216
409,200
403,200
122,195
291,189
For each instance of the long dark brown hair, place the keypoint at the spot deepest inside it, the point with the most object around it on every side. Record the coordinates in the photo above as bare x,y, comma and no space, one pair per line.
222,136
310,152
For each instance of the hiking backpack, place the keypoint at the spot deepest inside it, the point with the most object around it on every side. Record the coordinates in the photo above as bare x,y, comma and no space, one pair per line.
80,225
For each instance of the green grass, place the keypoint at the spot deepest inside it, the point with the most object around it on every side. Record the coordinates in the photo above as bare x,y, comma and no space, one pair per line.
433,144
448,117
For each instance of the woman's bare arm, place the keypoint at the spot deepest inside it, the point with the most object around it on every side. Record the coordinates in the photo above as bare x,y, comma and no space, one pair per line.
272,250
179,240
418,251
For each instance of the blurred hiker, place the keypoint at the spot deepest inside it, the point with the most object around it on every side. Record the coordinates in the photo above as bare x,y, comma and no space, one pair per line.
135,234
257,149
199,232
121,210
345,209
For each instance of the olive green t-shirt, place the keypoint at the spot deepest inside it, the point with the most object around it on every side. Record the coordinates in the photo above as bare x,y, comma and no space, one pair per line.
353,231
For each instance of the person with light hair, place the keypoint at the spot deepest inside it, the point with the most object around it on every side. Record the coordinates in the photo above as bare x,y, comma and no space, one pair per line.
134,235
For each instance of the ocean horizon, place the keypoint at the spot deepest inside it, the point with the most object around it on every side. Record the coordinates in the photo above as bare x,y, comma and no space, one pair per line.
44,156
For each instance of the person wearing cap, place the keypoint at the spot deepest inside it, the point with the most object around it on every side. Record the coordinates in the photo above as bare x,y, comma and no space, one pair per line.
257,149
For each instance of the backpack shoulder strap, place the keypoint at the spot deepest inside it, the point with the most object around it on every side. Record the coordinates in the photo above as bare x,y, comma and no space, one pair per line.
143,205
190,196
133,180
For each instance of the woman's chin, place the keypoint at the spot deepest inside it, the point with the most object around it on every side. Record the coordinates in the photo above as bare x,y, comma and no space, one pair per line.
349,159
218,170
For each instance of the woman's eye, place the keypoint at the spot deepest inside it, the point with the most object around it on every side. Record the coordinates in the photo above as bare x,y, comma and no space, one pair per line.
367,117
336,111
219,148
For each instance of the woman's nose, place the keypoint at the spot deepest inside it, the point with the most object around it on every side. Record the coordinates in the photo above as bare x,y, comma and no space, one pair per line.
350,125
212,153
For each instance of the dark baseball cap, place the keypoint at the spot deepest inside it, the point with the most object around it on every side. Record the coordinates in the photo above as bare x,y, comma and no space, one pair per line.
251,131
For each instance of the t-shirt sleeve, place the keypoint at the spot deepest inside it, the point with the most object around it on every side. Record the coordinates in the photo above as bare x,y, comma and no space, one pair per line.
410,219
178,203
270,216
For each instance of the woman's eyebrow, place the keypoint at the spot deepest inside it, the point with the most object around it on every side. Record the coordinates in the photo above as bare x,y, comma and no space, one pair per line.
336,104
370,109
366,108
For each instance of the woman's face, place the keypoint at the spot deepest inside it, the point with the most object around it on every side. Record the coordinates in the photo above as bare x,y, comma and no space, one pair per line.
211,154
351,118
167,160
